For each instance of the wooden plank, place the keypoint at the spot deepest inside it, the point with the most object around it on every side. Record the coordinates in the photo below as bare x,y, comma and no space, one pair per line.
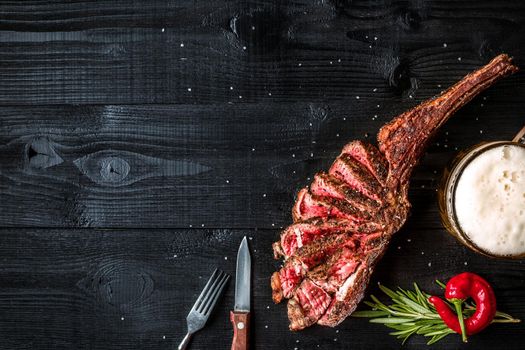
122,289
136,52
217,166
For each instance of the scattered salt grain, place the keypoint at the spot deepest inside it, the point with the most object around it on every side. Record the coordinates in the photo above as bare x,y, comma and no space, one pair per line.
264,194
189,89
311,154
300,64
265,326
163,337
269,94
174,255
374,89
202,225
409,240
336,135
240,96
357,97
481,131
375,37
244,47
122,318
466,263
339,60
227,181
162,30
293,155
422,253
181,44
231,87
225,258
398,247
429,264
444,44
459,58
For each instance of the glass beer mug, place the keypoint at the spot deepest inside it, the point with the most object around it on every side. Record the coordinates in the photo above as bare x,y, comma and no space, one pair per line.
511,247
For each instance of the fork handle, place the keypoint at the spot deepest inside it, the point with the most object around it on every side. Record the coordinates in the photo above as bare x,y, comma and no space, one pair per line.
241,330
184,343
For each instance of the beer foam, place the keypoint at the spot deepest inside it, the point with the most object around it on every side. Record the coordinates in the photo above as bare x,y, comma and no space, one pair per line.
490,200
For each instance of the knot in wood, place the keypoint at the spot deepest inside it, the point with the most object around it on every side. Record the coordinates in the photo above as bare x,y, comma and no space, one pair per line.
114,169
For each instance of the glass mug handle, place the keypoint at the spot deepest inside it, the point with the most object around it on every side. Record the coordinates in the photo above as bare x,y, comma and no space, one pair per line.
520,136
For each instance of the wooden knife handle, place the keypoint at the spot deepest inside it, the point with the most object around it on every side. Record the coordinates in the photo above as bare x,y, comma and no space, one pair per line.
241,330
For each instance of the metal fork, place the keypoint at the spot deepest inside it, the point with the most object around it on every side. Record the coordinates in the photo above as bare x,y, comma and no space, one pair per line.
204,305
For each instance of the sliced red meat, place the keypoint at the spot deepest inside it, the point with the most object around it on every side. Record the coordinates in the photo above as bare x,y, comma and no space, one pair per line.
287,279
295,268
302,233
330,186
332,274
368,155
310,206
347,297
307,306
356,176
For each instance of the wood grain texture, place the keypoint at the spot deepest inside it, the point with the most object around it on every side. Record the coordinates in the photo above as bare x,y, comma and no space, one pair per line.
141,140
122,289
217,166
136,52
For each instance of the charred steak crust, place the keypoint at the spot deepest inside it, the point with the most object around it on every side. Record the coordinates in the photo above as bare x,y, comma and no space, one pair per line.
345,219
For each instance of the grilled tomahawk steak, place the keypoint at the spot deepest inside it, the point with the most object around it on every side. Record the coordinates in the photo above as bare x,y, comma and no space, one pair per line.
344,220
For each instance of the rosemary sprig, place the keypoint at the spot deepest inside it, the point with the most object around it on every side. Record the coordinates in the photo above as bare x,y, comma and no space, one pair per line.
411,313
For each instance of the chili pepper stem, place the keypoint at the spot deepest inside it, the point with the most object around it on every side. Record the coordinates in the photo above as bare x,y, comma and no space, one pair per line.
459,311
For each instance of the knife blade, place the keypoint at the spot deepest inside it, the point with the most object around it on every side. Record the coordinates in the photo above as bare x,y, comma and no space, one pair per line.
240,316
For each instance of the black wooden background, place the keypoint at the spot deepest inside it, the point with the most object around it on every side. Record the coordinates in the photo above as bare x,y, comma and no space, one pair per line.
141,140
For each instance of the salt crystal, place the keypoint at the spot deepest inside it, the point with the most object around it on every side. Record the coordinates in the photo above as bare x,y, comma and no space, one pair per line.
189,89
244,47
181,44
459,58
444,44
357,97
162,30
225,258
429,264
122,318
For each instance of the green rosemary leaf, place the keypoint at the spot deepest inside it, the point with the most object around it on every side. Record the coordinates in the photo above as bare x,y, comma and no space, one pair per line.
370,313
441,284
386,320
437,338
388,291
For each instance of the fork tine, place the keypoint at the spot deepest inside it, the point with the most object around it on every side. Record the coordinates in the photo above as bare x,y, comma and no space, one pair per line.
205,289
215,296
210,290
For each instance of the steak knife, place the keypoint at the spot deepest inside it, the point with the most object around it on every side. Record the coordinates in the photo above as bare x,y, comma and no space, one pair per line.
240,316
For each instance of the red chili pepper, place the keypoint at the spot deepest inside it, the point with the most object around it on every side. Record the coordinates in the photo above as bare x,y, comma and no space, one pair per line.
458,289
